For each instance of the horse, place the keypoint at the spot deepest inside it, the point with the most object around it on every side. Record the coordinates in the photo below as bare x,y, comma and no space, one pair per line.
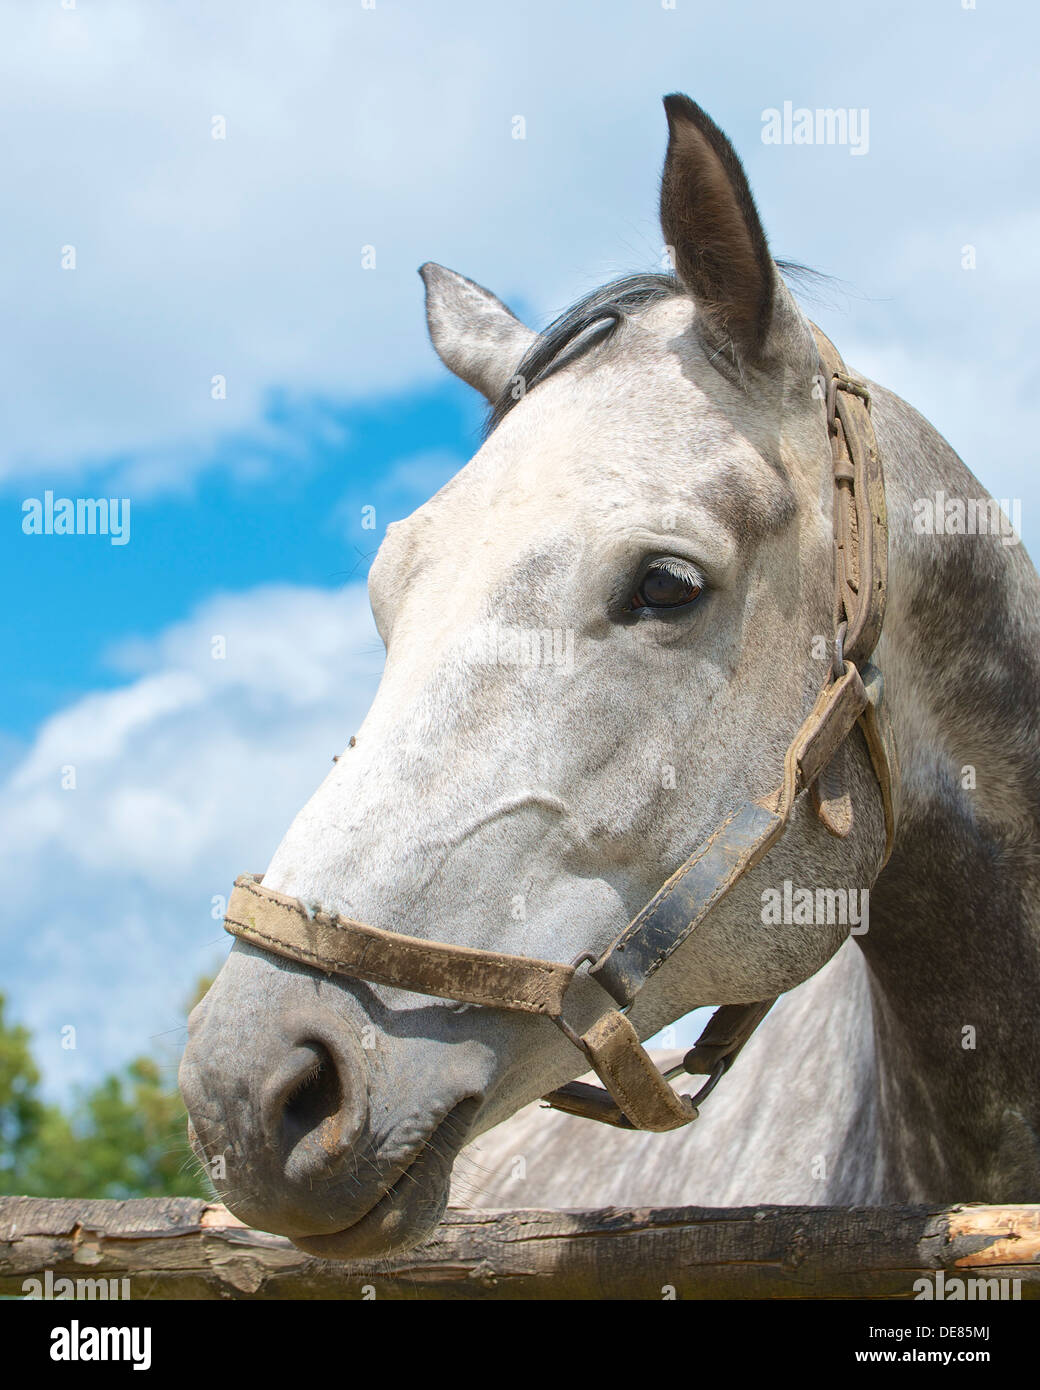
655,492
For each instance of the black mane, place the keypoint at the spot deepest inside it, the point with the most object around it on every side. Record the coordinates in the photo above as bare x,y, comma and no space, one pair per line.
606,307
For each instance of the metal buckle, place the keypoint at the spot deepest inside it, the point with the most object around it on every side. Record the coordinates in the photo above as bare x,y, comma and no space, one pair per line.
592,958
720,1068
565,1028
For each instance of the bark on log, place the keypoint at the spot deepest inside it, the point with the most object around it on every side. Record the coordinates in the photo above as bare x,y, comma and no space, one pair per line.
182,1248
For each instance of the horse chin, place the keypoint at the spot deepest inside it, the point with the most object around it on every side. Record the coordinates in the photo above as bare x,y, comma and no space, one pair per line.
400,1220
410,1209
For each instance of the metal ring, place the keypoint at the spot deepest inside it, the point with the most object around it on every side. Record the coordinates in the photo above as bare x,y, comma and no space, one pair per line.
571,1035
838,659
592,958
718,1071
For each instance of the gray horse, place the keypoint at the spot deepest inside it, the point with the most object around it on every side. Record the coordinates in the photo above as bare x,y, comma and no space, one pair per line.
654,493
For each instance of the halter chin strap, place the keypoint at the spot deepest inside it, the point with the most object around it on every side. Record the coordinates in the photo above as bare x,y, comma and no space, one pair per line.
637,1094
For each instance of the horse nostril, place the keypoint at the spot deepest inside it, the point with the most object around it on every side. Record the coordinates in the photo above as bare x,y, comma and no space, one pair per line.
314,1100
315,1107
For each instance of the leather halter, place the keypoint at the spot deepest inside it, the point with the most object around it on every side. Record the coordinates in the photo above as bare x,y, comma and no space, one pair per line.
637,1094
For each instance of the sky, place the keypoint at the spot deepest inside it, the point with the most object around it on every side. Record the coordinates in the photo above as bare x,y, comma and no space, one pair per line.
213,214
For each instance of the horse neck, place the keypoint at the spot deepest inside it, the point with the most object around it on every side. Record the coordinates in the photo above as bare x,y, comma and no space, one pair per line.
953,949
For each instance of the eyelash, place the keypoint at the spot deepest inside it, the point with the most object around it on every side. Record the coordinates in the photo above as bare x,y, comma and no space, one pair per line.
679,569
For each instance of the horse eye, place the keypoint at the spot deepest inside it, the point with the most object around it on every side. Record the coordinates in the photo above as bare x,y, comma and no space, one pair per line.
669,583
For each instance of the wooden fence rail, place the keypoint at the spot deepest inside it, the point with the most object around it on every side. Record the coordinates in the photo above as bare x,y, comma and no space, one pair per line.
182,1248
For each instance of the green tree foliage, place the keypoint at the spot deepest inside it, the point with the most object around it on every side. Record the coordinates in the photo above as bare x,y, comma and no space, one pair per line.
125,1137
21,1111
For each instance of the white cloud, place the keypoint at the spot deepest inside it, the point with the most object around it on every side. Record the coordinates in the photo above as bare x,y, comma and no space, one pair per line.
392,127
239,257
185,777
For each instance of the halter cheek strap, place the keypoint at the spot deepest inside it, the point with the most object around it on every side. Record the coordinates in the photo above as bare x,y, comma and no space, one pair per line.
637,1094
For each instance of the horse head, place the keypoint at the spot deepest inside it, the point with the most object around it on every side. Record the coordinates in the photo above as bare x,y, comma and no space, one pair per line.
601,636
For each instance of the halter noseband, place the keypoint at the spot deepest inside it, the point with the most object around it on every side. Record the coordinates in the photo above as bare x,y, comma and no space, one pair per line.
637,1094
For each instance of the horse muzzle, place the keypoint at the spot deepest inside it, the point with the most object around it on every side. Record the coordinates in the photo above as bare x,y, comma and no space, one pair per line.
296,1133
278,1114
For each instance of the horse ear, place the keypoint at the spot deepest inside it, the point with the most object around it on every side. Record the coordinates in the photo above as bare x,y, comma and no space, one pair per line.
475,335
712,228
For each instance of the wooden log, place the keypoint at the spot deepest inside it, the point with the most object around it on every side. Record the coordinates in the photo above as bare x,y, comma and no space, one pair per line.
183,1248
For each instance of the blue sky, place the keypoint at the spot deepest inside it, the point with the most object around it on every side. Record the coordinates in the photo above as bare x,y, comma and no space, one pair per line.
389,128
